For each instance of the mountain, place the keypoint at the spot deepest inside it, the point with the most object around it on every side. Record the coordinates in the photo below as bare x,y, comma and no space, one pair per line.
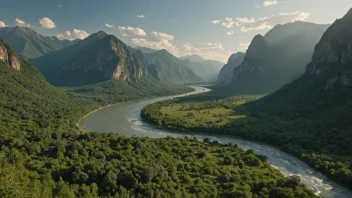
207,69
317,106
170,68
226,72
99,57
329,74
192,58
29,44
277,58
145,50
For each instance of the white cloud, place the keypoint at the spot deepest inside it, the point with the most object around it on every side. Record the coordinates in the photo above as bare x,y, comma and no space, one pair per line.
22,23
2,24
47,23
59,6
213,46
159,40
74,34
130,31
215,22
250,24
108,25
243,47
140,16
230,32
158,36
269,22
228,22
269,2
157,45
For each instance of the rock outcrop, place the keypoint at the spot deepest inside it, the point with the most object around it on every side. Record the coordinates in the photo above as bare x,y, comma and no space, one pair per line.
9,57
334,51
226,72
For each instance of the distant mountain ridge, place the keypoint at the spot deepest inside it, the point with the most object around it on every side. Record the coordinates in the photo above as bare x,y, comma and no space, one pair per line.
101,57
276,58
206,69
29,44
193,58
226,72
170,68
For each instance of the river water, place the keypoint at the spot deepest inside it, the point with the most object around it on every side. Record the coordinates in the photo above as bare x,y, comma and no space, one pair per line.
125,120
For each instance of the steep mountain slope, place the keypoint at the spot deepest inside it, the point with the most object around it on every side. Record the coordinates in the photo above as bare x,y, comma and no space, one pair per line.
192,58
226,72
268,67
26,97
170,68
98,58
207,69
319,104
29,44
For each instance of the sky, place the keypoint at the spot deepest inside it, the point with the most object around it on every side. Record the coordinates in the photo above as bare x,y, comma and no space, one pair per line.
213,29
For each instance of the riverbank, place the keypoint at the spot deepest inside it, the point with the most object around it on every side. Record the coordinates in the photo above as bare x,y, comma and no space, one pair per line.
228,117
125,119
119,103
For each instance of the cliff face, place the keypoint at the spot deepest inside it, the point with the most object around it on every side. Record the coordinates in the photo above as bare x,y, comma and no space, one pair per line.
334,52
277,58
255,60
110,58
99,57
226,72
9,57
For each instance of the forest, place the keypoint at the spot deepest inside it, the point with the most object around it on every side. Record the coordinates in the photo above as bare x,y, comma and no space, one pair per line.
43,154
324,144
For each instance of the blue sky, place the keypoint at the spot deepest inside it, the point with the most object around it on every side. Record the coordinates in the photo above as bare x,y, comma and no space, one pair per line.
213,29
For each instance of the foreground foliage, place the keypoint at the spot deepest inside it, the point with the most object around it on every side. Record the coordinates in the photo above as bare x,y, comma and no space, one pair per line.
320,135
42,153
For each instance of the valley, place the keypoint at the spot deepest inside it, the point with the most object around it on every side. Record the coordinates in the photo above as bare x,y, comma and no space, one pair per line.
232,99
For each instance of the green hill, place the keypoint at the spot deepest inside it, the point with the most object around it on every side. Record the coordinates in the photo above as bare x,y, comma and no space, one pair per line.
29,44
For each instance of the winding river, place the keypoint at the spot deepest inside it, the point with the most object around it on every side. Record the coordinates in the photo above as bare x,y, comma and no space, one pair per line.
125,119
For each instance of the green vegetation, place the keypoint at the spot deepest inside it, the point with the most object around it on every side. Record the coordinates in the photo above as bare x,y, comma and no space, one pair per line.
44,155
320,136
29,44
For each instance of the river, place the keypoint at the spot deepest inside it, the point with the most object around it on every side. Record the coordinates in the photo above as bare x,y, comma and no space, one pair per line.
125,120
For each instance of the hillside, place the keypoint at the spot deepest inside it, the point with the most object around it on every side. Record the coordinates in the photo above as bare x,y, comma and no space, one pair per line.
170,68
309,117
226,72
268,67
29,44
98,58
43,154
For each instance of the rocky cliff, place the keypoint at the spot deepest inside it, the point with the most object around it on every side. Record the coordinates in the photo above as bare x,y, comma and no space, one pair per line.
277,58
334,52
254,61
8,56
226,72
99,57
